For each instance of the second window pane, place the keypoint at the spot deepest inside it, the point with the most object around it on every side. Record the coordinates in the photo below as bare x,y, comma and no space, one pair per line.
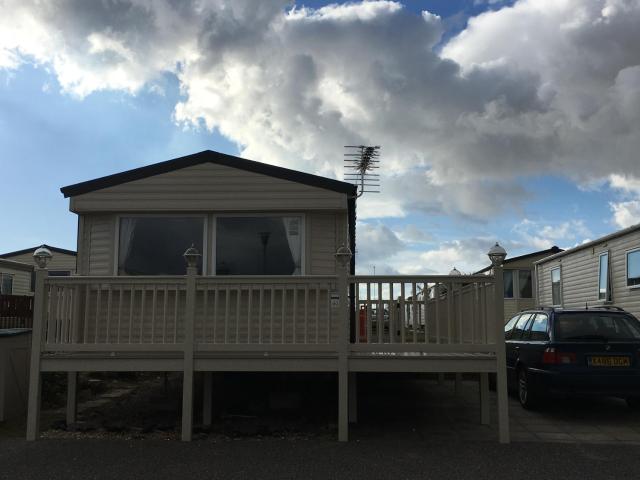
258,245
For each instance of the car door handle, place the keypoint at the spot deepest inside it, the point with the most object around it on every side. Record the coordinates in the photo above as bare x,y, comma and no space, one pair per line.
516,348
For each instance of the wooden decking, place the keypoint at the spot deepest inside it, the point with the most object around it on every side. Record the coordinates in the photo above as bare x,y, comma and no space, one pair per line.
343,324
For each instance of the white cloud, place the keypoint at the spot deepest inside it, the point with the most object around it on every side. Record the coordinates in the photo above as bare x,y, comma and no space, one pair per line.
541,236
412,251
627,211
543,87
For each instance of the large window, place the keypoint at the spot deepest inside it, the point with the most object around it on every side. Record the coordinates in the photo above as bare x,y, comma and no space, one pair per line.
525,289
154,245
633,268
603,278
6,284
508,284
517,284
556,290
265,245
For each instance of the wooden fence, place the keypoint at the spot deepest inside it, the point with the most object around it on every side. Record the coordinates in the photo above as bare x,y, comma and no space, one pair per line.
16,311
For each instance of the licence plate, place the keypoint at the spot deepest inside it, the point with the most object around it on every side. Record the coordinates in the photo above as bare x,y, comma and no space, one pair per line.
610,361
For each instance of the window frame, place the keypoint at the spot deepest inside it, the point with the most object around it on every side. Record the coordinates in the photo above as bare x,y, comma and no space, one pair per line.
559,269
626,268
608,297
513,284
303,235
11,276
530,281
547,331
205,235
515,275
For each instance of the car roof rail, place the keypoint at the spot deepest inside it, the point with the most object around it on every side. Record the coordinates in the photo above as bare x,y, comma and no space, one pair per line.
608,307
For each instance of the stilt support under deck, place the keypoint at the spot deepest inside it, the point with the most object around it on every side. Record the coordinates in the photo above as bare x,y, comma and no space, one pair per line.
187,404
343,405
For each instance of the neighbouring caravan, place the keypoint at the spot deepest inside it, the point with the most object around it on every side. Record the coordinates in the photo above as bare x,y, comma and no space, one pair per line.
605,271
519,280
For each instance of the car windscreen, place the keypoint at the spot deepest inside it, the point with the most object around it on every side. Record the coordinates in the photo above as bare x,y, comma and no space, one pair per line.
580,326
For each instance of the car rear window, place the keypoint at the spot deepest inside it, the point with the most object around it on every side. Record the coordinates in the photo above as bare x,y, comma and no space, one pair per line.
595,326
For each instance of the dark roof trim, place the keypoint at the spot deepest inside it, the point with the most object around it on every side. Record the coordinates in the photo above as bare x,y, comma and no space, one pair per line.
593,243
550,251
208,156
32,249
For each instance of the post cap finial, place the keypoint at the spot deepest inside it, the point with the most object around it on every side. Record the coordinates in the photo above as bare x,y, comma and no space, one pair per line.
191,256
497,254
41,256
343,255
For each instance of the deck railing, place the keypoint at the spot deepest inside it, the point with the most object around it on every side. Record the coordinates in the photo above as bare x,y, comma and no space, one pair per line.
424,309
123,313
334,321
149,313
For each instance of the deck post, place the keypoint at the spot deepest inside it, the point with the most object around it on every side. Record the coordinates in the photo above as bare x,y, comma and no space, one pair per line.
72,397
189,336
343,257
35,377
501,359
207,399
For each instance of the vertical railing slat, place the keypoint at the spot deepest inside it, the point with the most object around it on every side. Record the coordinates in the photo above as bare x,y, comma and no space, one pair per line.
403,313
284,314
98,306
249,311
154,300
216,302
380,313
260,308
109,302
272,307
317,305
227,303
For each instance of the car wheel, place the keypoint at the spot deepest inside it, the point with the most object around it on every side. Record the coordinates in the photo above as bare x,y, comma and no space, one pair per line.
633,402
527,396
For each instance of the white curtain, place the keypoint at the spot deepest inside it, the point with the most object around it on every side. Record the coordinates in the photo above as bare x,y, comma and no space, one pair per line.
292,229
127,229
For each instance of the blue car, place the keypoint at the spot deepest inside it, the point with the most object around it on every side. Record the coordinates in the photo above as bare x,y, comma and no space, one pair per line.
591,351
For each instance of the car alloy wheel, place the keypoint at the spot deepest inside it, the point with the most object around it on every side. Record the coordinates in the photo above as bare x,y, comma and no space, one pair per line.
523,387
527,396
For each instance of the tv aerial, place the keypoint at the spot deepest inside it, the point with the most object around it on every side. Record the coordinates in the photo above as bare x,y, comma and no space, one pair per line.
360,163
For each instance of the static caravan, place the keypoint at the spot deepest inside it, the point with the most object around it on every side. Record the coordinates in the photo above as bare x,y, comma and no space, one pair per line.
62,264
605,271
15,277
213,263
519,280
244,217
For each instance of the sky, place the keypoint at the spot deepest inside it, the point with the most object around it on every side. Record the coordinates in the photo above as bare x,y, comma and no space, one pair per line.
510,121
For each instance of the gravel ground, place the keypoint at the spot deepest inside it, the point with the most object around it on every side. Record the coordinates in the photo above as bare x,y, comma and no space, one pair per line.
314,458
